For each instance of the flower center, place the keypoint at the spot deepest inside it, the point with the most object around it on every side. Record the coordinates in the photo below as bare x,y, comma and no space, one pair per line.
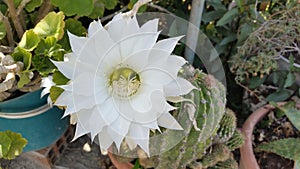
124,82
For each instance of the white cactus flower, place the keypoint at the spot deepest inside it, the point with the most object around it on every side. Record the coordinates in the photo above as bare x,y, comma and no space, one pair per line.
120,77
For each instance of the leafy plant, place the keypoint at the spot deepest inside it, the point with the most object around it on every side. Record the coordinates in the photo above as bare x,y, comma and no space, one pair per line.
288,147
11,144
256,59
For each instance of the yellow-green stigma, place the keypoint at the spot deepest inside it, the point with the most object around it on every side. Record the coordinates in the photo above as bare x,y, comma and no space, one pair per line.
124,82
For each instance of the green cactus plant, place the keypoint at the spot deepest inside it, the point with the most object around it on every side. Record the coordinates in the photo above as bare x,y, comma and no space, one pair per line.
211,132
228,164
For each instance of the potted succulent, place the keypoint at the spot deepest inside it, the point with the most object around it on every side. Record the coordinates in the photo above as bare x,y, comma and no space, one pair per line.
287,147
26,51
23,108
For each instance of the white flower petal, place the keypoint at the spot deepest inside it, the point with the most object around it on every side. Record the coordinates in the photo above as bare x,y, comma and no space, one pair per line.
131,143
82,126
168,121
118,130
132,27
176,62
140,135
177,87
156,77
77,43
150,26
132,60
66,68
142,102
116,26
96,122
152,125
94,27
108,111
74,102
104,139
87,84
103,45
141,41
167,44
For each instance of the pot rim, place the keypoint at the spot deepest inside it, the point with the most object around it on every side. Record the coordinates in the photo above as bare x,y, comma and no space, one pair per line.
26,114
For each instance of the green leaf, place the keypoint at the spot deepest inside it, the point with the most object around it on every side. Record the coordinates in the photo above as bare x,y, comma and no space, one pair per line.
55,92
275,77
48,47
110,4
20,54
290,79
217,4
5,143
45,45
17,2
278,96
213,15
287,148
256,81
43,64
29,40
136,164
2,31
245,30
228,17
228,39
98,10
11,144
292,113
52,25
74,7
76,28
59,78
24,79
32,5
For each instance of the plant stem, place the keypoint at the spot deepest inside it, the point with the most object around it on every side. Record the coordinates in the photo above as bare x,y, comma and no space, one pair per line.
20,14
6,49
105,18
136,7
14,17
8,30
160,8
21,6
192,32
45,8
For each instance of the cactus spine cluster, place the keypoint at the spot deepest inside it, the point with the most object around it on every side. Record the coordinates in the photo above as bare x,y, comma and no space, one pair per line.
211,132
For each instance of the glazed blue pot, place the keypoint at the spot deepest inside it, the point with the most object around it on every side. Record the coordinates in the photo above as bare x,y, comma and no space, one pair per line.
31,116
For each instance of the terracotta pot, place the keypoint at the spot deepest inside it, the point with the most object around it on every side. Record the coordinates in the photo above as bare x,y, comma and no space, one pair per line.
118,164
248,160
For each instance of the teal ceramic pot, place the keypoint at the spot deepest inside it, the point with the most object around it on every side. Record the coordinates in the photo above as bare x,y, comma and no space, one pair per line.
34,119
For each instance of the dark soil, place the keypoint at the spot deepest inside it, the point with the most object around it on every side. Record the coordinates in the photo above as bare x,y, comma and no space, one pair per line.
269,129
